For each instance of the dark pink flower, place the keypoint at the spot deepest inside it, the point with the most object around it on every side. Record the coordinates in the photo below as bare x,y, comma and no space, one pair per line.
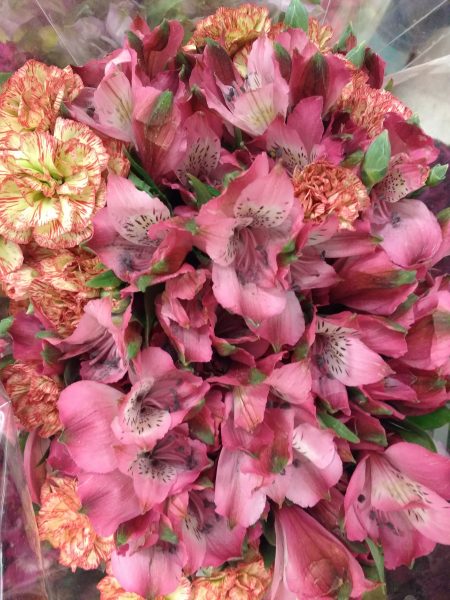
243,230
121,234
133,445
310,562
399,498
100,340
186,312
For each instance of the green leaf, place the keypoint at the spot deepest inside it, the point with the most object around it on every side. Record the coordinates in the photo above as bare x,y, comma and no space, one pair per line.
121,536
229,177
202,433
203,191
153,189
44,334
376,161
269,529
256,376
50,354
143,282
353,159
437,175
296,15
403,277
412,433
357,54
284,60
377,554
342,430
341,44
6,361
378,593
434,420
267,552
5,324
390,85
168,535
133,349
108,279
4,78
135,42
161,109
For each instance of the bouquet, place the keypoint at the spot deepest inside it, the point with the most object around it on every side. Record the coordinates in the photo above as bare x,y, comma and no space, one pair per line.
227,329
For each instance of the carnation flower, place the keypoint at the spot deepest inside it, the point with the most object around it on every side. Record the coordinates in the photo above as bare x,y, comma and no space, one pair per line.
110,589
325,189
319,34
59,293
51,185
33,397
235,29
11,257
32,97
61,522
368,106
246,581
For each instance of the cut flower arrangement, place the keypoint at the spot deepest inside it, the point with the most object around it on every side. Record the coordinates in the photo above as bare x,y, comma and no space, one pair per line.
227,329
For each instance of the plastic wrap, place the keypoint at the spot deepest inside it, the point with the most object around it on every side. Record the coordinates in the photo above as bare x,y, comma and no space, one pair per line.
22,574
411,35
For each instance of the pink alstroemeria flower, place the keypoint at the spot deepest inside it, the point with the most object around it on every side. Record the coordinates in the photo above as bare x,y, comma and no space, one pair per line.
372,283
243,230
100,340
339,351
252,389
399,498
315,468
251,103
301,139
149,572
121,234
133,446
310,562
208,538
186,312
428,337
411,234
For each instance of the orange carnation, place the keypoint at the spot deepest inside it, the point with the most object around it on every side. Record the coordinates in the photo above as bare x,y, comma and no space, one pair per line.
31,98
325,189
246,581
61,523
33,397
51,185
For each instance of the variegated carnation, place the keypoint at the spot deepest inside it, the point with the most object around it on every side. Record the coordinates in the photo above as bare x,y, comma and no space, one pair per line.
11,257
110,589
59,293
325,189
51,185
32,98
33,397
246,581
320,35
369,106
61,522
235,29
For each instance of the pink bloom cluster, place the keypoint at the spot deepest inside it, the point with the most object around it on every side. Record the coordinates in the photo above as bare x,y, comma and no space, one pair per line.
271,325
